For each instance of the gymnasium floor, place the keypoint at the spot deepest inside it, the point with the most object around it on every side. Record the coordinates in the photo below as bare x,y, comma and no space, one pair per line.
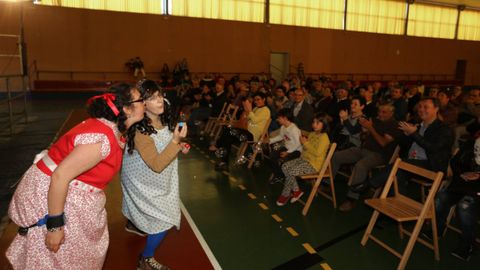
234,222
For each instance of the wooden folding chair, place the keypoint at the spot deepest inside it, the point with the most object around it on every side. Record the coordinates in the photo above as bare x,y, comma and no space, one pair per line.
228,118
325,172
425,184
211,120
403,209
243,146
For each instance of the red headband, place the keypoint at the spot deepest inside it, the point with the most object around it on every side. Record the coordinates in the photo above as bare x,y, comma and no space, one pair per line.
109,98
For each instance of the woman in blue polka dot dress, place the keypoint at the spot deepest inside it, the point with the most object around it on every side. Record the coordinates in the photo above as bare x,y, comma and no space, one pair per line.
149,175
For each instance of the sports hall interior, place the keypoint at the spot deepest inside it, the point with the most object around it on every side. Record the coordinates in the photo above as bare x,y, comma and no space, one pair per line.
55,54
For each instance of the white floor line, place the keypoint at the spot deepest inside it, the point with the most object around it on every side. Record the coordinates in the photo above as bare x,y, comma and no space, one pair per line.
200,238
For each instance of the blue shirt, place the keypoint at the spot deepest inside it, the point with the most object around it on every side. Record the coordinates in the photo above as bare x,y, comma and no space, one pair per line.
416,151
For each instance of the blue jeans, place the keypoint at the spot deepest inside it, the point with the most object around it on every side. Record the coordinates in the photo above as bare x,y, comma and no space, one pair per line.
467,209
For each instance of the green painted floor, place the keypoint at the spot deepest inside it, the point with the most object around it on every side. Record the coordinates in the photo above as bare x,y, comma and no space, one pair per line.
242,235
239,232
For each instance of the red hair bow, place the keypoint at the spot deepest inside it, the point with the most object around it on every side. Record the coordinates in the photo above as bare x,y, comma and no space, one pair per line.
109,98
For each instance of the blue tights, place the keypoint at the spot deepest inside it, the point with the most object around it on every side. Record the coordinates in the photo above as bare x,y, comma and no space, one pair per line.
153,241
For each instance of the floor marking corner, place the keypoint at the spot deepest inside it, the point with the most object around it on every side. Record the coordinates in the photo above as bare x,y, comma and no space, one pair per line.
292,232
263,206
277,218
309,248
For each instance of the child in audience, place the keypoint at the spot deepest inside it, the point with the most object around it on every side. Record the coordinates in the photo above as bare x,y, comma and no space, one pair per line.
290,134
149,176
314,151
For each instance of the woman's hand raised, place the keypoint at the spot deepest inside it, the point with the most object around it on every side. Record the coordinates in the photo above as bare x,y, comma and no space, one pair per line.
178,134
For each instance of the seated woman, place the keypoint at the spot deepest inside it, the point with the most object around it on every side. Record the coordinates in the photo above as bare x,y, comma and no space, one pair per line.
314,151
347,133
249,127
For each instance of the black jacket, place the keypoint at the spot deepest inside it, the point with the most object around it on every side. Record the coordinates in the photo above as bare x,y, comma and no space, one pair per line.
464,161
437,142
217,104
304,118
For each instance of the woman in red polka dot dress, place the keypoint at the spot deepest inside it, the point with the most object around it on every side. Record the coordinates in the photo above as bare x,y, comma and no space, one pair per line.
59,204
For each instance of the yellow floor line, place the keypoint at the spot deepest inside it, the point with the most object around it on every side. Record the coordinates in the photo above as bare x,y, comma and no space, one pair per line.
325,266
263,206
309,248
277,218
242,187
233,179
253,197
292,231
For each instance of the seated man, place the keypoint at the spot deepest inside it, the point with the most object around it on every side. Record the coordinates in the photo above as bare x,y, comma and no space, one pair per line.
400,104
302,111
376,150
464,192
429,145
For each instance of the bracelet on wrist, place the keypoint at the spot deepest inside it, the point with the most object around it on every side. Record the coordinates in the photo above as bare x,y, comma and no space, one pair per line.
55,221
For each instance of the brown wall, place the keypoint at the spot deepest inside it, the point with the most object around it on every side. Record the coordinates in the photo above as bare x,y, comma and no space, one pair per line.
86,40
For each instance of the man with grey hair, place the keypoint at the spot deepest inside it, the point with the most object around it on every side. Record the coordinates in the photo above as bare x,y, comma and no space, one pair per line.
378,147
302,111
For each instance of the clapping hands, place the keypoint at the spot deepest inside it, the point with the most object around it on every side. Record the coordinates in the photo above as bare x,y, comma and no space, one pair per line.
407,128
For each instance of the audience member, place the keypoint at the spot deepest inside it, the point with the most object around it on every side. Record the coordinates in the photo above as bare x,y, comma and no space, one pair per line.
314,151
290,135
380,142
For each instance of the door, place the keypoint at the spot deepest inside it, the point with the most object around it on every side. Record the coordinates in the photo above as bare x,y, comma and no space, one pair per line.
279,65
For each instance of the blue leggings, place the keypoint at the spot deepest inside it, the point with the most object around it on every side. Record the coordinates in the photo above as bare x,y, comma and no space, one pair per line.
153,241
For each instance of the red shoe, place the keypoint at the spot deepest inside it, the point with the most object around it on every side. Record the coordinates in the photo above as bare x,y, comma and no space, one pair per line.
282,200
296,196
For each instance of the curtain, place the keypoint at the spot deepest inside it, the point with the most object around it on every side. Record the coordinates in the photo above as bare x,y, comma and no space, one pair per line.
237,10
469,25
311,13
137,6
377,16
432,21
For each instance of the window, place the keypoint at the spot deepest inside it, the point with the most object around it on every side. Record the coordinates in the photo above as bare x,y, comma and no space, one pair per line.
432,21
237,10
137,6
311,13
469,25
377,16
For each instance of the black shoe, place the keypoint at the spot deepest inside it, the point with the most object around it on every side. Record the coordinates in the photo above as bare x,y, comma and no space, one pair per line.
463,253
221,166
360,188
347,206
130,227
149,263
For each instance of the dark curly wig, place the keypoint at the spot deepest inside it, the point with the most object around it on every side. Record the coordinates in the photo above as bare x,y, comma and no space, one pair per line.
98,107
147,89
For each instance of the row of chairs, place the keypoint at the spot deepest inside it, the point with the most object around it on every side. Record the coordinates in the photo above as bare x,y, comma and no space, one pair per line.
396,206
228,116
